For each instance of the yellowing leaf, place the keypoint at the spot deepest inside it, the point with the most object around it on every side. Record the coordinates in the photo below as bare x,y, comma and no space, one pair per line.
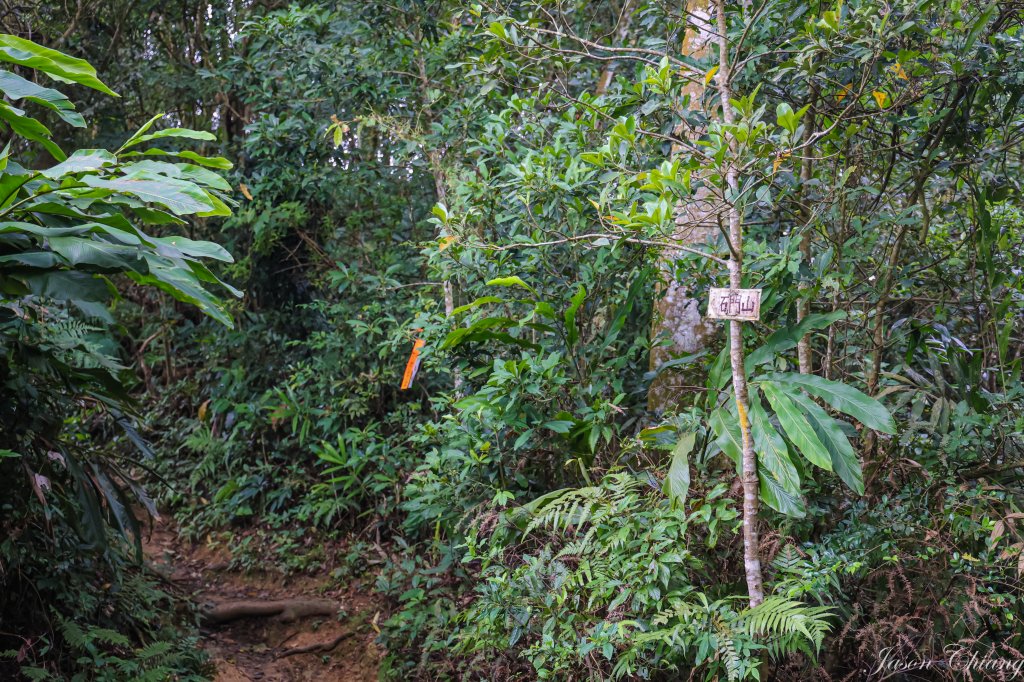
202,410
778,161
881,98
710,74
900,73
245,191
444,242
841,95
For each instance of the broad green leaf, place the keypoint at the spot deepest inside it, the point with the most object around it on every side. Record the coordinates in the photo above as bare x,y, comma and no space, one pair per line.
104,255
47,232
154,216
771,447
830,433
79,162
140,132
570,315
68,285
30,129
511,281
16,87
559,425
11,183
841,397
729,438
186,133
182,284
179,196
727,430
175,247
180,171
785,117
220,208
788,337
55,64
463,334
203,274
677,483
498,30
33,259
483,300
218,162
795,425
777,497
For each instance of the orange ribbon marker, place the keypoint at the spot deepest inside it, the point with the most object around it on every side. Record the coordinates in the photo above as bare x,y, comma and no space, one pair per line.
413,365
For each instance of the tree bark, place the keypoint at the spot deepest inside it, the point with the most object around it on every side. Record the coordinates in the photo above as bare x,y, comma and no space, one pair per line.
751,541
676,312
803,308
625,19
440,188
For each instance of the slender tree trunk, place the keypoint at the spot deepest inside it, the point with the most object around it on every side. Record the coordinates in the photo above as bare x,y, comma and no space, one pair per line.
803,309
625,19
440,187
751,541
676,312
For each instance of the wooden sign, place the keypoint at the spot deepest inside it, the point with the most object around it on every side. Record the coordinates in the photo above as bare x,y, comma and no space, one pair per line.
735,304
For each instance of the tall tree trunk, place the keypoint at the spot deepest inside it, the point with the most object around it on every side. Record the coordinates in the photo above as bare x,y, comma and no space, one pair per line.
751,541
676,312
803,308
622,30
440,186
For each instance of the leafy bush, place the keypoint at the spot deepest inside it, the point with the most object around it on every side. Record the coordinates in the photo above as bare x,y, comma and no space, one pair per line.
71,233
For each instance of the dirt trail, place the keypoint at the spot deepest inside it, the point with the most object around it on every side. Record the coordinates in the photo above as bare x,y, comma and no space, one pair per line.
251,649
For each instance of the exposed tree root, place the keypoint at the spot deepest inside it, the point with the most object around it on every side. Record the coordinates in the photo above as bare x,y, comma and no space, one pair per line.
286,610
319,646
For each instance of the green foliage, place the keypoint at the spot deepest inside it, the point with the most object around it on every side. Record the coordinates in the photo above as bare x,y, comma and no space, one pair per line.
508,184
71,235
604,584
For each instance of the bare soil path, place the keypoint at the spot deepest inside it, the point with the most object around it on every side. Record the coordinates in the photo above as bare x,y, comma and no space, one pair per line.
307,630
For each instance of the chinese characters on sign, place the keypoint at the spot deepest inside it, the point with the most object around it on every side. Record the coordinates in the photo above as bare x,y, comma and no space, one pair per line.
735,304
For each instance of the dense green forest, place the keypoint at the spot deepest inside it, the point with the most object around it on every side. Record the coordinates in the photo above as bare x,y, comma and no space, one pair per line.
407,302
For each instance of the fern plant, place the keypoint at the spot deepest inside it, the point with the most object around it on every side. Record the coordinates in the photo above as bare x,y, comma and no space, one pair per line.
727,640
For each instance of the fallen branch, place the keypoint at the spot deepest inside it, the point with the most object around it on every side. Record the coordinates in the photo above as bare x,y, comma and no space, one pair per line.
286,609
319,646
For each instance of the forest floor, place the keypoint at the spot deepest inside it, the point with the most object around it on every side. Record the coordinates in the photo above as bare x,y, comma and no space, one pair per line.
263,648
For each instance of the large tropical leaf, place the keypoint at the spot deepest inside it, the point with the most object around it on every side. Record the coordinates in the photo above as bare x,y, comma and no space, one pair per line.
772,493
16,87
830,433
677,483
788,337
771,448
55,64
796,427
218,162
777,497
841,397
81,161
183,198
181,283
30,129
97,254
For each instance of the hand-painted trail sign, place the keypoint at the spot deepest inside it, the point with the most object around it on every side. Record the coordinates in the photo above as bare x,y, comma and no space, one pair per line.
735,304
